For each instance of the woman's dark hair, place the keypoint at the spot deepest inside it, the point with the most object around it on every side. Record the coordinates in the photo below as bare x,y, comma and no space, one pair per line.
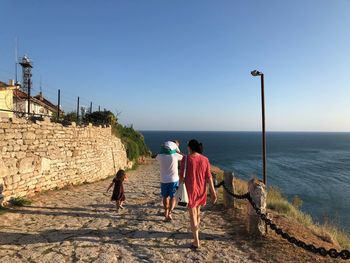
120,175
195,146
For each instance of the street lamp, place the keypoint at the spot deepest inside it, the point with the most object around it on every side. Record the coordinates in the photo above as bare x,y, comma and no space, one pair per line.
256,73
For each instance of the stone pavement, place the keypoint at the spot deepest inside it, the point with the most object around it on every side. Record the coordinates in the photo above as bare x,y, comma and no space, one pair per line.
80,224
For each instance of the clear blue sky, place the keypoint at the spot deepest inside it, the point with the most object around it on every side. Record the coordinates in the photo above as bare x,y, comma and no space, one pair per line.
185,65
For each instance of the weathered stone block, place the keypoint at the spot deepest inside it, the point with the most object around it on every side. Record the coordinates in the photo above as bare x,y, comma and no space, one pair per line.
9,135
21,154
29,136
16,178
24,147
3,169
45,164
26,165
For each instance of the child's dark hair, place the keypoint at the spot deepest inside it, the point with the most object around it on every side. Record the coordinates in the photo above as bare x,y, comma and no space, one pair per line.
195,146
120,175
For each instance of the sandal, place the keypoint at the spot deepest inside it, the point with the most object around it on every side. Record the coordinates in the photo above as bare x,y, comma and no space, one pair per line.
169,216
194,247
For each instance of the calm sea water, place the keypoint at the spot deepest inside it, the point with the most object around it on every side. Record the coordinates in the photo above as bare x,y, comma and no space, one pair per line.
314,166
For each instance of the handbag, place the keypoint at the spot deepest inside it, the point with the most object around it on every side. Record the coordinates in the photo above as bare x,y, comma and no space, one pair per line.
181,193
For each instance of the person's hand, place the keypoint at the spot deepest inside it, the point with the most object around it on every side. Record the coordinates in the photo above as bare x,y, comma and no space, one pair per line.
214,197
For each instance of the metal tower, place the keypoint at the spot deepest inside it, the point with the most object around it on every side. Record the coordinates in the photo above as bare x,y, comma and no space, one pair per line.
27,66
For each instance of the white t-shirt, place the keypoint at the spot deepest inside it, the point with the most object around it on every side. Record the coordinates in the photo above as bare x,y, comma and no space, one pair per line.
169,167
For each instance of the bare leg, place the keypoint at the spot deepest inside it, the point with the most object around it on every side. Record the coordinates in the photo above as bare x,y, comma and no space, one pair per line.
166,206
194,225
172,206
121,204
198,215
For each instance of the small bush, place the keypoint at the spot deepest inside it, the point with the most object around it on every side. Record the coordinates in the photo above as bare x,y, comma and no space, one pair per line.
19,201
280,206
101,117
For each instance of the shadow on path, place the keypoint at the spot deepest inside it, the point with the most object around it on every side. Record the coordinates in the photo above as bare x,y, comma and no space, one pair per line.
109,235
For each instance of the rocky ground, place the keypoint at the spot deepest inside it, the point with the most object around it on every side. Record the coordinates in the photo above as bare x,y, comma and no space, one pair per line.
80,224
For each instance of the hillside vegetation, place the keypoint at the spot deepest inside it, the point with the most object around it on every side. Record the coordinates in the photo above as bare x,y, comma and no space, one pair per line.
132,139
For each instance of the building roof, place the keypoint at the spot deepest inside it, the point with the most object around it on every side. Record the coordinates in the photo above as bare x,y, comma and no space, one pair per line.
6,86
38,99
41,98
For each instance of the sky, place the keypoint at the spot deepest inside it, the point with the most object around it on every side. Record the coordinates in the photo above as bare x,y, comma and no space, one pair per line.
185,65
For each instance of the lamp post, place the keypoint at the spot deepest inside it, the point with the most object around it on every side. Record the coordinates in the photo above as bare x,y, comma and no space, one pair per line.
256,73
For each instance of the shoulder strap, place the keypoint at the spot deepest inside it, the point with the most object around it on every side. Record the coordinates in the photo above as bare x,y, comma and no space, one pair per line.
185,168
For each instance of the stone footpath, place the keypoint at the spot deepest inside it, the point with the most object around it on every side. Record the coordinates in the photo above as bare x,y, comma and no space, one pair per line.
80,224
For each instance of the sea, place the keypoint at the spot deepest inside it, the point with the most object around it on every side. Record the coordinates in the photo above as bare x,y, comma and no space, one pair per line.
312,165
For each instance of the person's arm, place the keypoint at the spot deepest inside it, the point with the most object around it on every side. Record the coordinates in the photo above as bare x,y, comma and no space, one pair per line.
178,151
213,194
110,186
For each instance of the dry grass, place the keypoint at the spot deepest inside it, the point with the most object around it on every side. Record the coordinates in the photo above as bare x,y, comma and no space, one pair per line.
332,234
326,232
277,203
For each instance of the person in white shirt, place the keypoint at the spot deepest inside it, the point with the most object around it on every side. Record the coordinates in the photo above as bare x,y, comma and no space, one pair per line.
168,159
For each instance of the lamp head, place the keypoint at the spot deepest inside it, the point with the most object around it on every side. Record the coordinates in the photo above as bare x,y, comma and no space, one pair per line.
256,73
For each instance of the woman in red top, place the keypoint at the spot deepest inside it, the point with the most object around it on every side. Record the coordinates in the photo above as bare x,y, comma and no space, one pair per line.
196,179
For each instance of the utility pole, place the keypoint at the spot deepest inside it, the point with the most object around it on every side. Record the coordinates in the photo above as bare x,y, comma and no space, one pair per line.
256,73
28,98
78,110
58,104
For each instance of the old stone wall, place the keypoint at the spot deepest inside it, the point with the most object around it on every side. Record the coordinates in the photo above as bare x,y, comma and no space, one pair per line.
40,156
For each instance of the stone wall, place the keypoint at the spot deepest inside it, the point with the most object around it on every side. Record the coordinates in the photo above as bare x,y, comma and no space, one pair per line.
40,156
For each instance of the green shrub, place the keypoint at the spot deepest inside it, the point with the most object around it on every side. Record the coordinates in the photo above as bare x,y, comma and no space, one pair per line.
70,117
19,201
132,139
132,150
101,117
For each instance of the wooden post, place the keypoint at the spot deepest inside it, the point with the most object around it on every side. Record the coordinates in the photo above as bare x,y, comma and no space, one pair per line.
228,199
257,190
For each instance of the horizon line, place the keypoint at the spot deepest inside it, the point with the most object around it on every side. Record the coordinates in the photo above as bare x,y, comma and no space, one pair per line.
296,131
